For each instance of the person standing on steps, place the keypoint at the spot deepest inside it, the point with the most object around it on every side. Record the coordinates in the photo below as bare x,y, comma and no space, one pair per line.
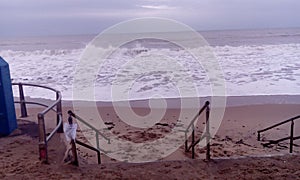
70,134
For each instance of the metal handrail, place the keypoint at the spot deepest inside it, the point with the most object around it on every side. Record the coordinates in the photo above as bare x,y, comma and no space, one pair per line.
54,130
91,148
206,134
291,137
88,125
43,138
35,103
98,149
279,140
197,115
278,124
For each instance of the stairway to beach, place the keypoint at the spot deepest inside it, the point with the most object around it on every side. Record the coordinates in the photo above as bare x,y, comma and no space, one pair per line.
19,160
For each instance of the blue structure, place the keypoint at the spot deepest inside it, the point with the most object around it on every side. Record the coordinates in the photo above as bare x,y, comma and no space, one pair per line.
8,121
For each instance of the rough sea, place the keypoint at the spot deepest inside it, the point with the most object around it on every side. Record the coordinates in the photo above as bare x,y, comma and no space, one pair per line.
254,62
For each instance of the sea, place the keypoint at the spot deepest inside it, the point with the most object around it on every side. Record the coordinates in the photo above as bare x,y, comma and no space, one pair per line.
253,62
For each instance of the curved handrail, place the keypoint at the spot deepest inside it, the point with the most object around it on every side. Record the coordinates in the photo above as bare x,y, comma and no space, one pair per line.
35,85
43,138
35,103
59,124
54,104
59,98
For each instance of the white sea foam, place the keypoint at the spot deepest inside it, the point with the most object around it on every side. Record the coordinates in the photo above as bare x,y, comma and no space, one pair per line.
248,70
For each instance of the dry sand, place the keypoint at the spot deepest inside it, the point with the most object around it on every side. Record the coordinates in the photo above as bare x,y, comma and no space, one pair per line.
235,138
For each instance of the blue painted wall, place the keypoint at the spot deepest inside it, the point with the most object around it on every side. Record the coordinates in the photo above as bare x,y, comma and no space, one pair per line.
8,121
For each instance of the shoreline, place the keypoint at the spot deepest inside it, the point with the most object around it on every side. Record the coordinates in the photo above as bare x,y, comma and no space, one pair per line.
174,103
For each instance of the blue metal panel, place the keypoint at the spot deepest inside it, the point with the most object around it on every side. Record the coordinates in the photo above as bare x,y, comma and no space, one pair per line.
8,121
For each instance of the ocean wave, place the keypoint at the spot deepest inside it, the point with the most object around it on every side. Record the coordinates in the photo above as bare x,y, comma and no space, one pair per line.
248,70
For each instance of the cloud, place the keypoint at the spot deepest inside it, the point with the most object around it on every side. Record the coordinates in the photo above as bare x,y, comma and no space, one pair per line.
158,7
18,17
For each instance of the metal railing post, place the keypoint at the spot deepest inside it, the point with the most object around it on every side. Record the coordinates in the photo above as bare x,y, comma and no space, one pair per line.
186,142
99,157
207,132
74,152
42,139
98,148
193,141
97,140
22,101
59,113
292,137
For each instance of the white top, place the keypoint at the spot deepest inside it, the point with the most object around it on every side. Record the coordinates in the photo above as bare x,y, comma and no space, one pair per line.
70,131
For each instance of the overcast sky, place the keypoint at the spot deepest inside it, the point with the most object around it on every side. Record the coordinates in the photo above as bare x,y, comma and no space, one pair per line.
55,17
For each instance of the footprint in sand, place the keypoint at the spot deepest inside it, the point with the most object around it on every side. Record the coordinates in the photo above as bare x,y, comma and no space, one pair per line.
112,125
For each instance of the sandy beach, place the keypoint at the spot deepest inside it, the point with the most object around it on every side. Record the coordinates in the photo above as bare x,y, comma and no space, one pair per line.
235,151
155,89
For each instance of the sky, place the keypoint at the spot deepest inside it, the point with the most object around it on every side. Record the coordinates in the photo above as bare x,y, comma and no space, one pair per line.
67,17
